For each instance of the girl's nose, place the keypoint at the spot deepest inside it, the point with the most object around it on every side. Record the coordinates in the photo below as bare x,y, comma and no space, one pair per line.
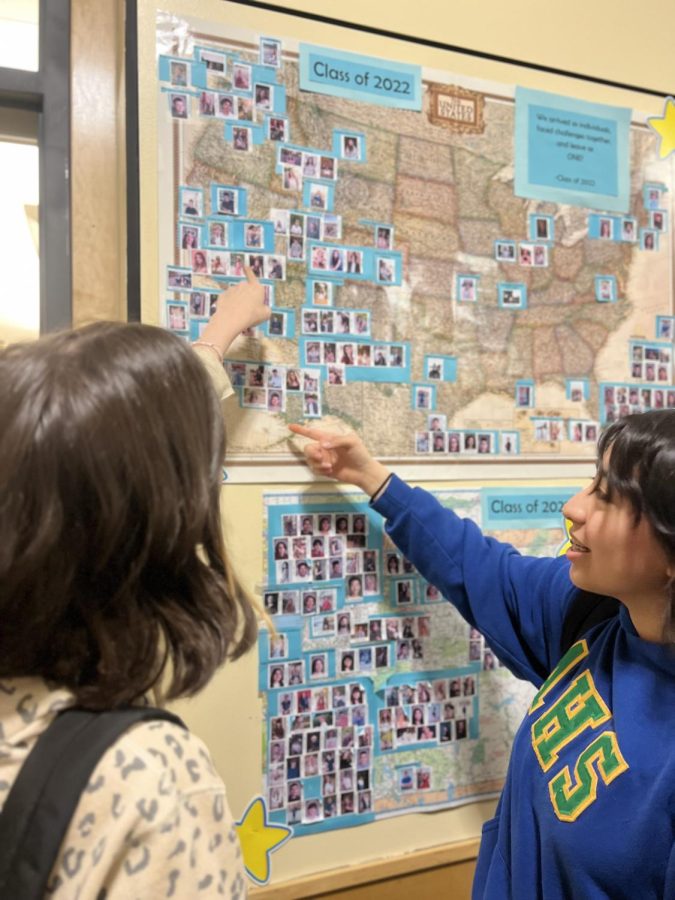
575,508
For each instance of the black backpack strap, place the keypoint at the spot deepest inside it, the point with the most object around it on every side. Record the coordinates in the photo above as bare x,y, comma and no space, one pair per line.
586,610
46,792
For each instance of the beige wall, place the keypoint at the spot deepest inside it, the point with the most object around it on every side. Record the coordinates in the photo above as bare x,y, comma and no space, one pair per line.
605,39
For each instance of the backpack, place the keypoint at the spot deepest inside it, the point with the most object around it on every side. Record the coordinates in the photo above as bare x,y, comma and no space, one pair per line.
44,796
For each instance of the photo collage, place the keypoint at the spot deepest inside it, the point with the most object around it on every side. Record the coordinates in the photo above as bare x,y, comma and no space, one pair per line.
345,670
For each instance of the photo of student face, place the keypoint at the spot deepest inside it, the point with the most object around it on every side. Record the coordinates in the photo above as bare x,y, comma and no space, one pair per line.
422,441
299,548
423,398
523,396
318,667
525,255
469,442
309,607
318,549
329,351
296,673
505,251
344,623
404,593
328,168
541,229
263,96
335,569
271,602
351,145
509,442
280,548
606,228
354,262
383,237
241,138
178,106
276,676
649,240
484,443
467,289
241,77
460,728
346,659
396,356
355,587
310,765
277,646
244,109
438,442
327,601
385,271
177,317
302,570
511,297
365,665
189,238
312,226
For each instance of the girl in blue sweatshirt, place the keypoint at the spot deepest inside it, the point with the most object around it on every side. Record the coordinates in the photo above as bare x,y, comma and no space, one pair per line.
588,809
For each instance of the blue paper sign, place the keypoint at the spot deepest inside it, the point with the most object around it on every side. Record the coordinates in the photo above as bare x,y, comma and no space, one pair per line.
327,71
518,508
571,151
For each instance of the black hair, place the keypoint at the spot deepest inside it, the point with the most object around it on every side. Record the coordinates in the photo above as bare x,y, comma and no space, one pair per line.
642,470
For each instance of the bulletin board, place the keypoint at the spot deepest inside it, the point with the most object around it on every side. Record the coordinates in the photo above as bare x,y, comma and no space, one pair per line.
486,264
491,317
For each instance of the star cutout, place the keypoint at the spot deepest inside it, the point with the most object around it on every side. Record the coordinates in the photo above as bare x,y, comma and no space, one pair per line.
665,127
564,547
259,838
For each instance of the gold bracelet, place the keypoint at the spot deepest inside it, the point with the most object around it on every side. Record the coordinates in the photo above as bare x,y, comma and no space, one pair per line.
211,346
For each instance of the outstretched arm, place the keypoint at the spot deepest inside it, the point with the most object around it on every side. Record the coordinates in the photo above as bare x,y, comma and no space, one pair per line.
517,602
239,307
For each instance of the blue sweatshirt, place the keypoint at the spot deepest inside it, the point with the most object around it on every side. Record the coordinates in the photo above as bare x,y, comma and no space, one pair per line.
588,808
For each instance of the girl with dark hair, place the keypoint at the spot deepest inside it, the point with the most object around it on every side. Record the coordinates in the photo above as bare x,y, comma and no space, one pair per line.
588,809
115,582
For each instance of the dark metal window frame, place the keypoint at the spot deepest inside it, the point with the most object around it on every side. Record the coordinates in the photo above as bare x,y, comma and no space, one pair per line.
47,93
132,123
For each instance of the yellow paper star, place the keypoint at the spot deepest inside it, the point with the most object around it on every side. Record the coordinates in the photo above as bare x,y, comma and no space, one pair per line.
259,838
568,542
665,127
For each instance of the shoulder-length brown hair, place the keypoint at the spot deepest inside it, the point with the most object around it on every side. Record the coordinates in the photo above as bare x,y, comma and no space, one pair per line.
112,561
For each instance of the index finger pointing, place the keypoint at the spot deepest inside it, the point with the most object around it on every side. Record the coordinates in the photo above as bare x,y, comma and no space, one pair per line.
313,434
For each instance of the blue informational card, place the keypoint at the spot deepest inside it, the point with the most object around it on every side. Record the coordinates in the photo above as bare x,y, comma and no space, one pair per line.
380,81
571,151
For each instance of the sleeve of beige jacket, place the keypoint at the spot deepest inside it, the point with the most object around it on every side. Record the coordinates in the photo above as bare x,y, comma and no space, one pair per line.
219,377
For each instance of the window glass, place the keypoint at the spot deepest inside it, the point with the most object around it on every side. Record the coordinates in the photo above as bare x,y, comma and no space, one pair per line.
19,41
19,242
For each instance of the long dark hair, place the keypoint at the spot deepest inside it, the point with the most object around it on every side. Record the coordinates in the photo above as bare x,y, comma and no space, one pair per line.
112,564
642,469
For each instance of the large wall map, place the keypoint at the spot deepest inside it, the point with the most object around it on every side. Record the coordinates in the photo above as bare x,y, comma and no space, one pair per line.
414,296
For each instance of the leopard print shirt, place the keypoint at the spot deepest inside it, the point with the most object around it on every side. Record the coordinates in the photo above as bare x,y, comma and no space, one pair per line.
153,821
